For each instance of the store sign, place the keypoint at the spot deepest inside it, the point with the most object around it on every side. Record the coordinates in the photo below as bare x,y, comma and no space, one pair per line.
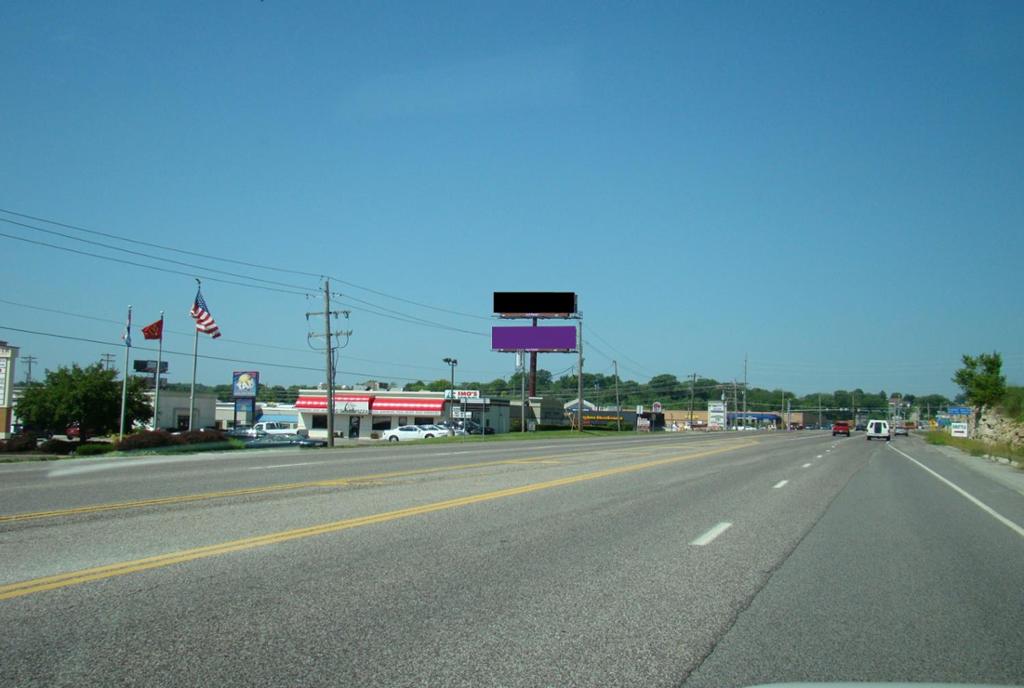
245,383
716,414
461,393
141,366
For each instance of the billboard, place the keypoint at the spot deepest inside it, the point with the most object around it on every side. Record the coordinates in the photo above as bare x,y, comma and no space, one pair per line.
511,304
245,384
149,366
527,338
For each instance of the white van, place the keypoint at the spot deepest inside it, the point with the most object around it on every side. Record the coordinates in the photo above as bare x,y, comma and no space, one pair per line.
273,428
878,429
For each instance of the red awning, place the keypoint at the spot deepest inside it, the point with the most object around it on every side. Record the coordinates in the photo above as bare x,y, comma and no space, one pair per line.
319,403
391,405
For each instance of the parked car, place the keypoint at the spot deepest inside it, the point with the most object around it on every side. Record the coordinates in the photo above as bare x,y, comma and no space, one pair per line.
406,432
434,431
473,428
266,440
841,427
240,431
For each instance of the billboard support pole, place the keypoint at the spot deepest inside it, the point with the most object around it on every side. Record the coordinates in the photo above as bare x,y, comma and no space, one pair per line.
579,379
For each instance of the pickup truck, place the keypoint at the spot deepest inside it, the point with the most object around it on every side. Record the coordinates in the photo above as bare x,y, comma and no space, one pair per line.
841,427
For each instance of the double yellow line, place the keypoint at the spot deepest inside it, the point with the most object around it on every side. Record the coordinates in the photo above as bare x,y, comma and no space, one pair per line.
36,585
283,487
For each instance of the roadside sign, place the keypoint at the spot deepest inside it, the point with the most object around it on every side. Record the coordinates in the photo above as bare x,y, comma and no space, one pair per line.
656,407
639,409
958,429
959,410
461,393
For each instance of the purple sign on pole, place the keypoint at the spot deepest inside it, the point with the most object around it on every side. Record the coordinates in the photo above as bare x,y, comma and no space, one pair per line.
527,338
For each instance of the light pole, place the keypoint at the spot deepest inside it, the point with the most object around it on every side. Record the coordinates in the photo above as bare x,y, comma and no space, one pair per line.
452,362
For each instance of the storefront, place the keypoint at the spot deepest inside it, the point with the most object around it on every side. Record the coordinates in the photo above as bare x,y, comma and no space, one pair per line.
358,415
351,413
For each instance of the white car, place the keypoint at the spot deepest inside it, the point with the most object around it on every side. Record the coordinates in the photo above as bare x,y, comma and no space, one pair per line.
434,430
406,432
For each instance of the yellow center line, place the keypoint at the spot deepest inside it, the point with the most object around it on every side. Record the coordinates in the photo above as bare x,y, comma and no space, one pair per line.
283,487
62,580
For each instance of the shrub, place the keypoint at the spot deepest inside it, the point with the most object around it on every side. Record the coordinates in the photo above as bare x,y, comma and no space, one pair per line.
201,436
1012,404
60,447
148,439
93,448
22,442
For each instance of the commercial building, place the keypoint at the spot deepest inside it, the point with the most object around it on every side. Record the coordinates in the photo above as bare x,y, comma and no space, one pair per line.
174,410
360,414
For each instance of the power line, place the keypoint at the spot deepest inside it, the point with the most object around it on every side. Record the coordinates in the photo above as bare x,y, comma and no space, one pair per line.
147,255
304,351
250,264
207,356
122,261
400,316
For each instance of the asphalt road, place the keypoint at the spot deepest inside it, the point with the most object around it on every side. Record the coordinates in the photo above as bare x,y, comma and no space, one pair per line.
705,560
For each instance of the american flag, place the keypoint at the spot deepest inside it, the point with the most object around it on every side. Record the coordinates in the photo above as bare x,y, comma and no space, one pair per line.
204,319
127,334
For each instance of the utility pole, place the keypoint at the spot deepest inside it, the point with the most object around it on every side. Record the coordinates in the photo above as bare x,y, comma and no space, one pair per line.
735,405
533,368
693,381
107,360
618,406
28,361
329,347
521,369
783,412
745,419
819,410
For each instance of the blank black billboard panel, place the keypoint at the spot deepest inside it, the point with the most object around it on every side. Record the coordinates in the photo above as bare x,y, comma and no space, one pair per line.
534,302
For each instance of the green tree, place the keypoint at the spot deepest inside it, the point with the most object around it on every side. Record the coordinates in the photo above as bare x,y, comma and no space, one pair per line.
91,396
981,379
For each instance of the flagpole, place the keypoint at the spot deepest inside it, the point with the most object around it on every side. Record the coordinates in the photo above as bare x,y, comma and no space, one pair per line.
124,382
195,360
159,362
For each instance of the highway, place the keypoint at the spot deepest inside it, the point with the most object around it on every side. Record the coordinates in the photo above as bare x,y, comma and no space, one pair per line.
658,560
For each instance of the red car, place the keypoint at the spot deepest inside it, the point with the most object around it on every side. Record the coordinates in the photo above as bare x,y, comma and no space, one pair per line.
841,427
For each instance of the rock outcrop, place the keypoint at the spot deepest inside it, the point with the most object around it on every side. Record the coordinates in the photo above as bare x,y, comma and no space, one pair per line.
995,428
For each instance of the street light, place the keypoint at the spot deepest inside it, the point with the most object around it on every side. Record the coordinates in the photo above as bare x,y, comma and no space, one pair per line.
452,362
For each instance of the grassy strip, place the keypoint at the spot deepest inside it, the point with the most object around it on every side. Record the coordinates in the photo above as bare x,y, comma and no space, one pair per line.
975,447
230,444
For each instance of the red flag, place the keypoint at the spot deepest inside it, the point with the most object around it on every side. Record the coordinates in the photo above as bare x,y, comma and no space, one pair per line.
154,331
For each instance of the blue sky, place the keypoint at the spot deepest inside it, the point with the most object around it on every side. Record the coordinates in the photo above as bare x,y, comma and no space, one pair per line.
834,190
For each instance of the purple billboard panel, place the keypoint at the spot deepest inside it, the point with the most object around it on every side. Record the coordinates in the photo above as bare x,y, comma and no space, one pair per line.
526,338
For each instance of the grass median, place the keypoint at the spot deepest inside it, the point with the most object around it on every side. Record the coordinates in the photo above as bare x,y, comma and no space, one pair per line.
976,447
